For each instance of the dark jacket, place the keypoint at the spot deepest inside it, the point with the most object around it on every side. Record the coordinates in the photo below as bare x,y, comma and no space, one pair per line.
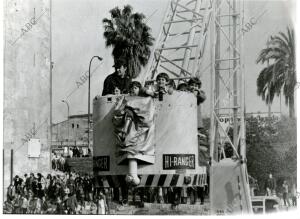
270,183
114,80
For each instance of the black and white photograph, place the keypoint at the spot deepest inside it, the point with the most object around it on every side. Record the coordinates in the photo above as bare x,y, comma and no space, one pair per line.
149,107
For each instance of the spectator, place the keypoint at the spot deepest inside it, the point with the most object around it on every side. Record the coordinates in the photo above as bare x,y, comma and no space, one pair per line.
101,204
44,205
71,204
285,188
29,181
87,187
11,192
17,204
59,206
41,183
34,187
294,195
201,192
80,152
270,185
24,205
18,184
31,203
8,207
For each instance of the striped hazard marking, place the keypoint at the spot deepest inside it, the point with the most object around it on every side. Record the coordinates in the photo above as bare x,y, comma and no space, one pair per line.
158,180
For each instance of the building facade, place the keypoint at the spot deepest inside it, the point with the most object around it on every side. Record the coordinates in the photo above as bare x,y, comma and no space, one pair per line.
26,87
71,133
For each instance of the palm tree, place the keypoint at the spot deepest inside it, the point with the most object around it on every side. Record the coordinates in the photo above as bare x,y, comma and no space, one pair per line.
281,75
130,38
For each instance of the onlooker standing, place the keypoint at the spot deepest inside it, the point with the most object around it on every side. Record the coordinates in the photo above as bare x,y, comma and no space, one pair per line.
18,184
285,187
11,192
294,195
24,205
17,204
270,186
101,205
71,204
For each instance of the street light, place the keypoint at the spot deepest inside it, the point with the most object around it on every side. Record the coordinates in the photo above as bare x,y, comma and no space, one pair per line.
99,58
64,101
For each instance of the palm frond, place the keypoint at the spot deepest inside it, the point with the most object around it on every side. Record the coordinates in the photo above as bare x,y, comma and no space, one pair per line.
281,75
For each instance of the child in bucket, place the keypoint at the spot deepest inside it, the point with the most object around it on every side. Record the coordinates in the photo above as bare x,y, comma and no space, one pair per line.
135,88
194,85
161,88
117,91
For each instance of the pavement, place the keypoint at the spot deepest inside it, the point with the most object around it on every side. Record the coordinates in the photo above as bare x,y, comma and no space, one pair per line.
161,209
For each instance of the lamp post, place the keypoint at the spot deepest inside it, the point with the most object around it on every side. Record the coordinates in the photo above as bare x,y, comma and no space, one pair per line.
99,58
64,101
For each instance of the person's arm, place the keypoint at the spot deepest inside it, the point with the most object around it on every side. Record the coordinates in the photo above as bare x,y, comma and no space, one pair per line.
201,97
106,86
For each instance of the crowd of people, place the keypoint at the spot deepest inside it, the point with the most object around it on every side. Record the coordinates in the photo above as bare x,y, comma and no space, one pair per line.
67,193
72,193
59,160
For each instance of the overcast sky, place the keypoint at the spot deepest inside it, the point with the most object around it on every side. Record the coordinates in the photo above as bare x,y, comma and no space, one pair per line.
77,35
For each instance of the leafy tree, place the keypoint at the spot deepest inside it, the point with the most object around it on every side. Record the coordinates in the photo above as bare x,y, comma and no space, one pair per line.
289,163
262,158
129,36
264,155
281,75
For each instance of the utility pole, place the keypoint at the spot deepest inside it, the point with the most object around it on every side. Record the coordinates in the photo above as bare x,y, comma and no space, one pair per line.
3,162
68,122
11,165
50,89
89,96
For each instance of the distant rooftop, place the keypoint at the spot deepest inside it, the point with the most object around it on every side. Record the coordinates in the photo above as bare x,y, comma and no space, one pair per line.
80,116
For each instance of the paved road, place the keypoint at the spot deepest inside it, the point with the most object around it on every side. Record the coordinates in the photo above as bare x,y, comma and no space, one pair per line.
162,209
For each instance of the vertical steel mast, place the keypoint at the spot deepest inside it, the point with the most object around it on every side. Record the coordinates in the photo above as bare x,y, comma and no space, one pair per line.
227,141
227,75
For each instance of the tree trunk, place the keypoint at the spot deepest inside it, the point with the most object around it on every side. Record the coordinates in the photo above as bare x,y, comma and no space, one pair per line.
291,107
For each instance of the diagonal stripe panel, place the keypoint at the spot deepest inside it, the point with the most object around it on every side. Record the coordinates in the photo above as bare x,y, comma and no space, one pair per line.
149,180
155,180
162,180
174,180
168,180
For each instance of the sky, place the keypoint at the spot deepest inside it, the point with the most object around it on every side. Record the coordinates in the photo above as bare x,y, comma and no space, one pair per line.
77,35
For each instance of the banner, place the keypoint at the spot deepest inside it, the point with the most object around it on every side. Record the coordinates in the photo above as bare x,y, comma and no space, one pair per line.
134,127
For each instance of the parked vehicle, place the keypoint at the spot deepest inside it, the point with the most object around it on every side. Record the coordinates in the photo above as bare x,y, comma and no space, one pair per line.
265,204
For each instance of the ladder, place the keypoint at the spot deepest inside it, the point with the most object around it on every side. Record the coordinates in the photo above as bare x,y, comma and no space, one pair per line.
180,45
